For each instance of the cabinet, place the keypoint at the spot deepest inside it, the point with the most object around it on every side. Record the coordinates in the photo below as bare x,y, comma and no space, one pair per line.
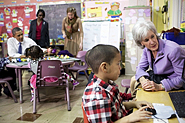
132,51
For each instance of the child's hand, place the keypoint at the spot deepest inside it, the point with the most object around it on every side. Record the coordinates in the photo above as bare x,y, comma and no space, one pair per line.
139,104
138,115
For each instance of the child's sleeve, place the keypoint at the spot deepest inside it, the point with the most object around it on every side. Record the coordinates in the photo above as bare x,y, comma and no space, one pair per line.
126,96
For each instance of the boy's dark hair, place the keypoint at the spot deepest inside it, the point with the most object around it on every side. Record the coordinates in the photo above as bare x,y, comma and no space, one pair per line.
101,53
40,10
35,52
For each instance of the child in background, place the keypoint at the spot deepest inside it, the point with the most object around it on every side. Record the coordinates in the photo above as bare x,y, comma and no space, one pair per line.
36,54
102,101
56,51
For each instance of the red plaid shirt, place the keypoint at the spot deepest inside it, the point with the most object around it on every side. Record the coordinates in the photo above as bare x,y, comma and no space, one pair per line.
102,102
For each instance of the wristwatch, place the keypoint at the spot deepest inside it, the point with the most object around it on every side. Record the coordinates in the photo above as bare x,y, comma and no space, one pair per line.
162,86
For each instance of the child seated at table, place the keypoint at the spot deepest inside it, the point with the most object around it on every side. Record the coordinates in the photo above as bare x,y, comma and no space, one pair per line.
36,54
102,101
56,51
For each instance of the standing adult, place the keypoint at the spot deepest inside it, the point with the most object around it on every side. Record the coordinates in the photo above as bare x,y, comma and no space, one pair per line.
72,31
39,31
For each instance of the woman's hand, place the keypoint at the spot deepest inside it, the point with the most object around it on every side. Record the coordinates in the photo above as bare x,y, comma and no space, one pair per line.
138,115
152,86
64,35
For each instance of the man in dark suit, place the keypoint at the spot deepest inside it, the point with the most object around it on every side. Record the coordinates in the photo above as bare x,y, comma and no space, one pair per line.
39,31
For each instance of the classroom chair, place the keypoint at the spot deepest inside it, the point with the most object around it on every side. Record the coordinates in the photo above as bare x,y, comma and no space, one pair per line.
125,83
84,115
50,69
79,66
5,81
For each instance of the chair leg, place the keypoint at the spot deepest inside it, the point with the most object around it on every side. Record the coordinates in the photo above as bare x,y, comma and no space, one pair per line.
10,89
67,95
126,90
35,102
77,74
38,97
86,75
73,75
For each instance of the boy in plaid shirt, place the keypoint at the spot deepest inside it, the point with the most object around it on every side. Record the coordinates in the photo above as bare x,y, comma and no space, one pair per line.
102,101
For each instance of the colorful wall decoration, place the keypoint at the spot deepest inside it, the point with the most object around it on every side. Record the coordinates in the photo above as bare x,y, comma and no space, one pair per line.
109,9
17,16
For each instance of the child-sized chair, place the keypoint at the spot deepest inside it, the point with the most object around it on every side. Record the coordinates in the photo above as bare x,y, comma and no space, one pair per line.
78,67
84,115
5,81
50,69
125,83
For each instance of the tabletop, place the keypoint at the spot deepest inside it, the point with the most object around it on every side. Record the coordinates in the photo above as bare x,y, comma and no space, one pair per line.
155,97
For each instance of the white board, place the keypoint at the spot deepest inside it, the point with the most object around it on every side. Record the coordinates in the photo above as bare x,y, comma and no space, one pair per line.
101,33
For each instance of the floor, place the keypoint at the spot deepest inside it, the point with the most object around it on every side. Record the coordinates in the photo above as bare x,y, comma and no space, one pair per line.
51,109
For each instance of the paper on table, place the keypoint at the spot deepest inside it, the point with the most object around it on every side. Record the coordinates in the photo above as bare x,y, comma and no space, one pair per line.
160,121
181,120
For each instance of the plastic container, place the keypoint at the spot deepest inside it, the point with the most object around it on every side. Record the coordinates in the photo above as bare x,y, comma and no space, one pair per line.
180,39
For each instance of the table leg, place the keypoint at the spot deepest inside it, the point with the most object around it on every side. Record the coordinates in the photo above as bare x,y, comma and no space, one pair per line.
20,85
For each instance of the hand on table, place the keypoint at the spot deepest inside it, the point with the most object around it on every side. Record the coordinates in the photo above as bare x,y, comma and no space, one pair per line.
22,56
138,115
151,86
139,104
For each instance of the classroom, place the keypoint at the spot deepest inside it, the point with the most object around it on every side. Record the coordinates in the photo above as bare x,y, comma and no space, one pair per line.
53,43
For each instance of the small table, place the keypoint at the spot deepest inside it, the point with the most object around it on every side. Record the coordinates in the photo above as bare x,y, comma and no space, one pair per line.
19,66
155,97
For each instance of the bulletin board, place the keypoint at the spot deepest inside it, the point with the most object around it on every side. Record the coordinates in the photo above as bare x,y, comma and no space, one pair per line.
54,15
16,16
101,33
108,9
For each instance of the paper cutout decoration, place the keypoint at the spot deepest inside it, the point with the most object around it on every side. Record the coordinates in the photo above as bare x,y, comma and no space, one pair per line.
1,23
20,20
134,19
130,37
28,11
114,12
94,12
1,17
14,13
14,1
147,12
7,11
9,27
14,20
7,17
127,20
26,31
27,1
132,12
141,12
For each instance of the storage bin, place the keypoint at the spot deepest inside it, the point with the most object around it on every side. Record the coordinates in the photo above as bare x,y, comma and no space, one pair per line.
180,39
